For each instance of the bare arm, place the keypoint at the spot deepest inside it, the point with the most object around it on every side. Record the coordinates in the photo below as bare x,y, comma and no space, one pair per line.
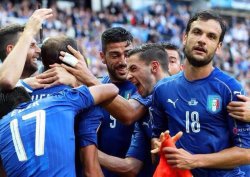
103,92
132,110
225,159
16,59
128,167
240,109
90,163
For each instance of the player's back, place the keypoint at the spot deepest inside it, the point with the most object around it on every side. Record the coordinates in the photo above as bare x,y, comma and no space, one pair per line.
43,93
37,138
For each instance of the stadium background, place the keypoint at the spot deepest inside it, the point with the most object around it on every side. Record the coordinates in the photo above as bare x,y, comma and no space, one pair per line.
148,21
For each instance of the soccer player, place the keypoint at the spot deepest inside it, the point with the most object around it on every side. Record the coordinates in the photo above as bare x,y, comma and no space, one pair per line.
113,136
147,64
37,138
87,122
194,102
25,50
174,57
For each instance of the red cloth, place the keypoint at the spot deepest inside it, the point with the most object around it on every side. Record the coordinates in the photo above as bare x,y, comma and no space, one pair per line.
164,169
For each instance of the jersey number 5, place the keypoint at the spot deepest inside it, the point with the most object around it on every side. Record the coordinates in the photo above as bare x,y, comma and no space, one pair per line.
40,134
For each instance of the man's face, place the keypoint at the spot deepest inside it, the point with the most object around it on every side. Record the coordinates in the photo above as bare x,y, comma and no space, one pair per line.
201,42
140,74
174,63
32,56
115,59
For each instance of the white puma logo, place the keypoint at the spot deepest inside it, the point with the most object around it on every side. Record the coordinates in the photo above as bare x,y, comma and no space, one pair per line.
237,92
172,102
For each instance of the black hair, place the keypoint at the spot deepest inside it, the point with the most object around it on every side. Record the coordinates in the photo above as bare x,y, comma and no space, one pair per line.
9,35
170,46
10,99
208,15
150,52
115,34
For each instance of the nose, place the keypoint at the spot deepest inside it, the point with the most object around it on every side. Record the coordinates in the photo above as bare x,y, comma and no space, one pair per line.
129,76
38,49
123,60
202,39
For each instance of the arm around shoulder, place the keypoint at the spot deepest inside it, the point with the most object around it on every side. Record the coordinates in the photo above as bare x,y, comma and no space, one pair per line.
103,92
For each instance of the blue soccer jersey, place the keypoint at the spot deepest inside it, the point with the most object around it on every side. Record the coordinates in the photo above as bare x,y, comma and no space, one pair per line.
86,125
37,138
43,93
87,121
141,140
198,108
113,136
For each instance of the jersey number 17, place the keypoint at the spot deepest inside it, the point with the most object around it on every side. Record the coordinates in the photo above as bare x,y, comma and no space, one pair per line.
40,134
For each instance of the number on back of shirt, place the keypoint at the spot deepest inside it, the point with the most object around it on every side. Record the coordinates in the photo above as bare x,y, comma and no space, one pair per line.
39,138
113,123
192,122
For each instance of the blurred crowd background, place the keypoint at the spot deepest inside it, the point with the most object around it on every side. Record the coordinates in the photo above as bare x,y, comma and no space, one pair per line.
148,21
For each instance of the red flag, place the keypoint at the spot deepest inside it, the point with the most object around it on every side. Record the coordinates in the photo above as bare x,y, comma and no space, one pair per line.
164,169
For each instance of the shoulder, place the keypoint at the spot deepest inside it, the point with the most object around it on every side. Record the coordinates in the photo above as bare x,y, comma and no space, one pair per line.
227,81
167,81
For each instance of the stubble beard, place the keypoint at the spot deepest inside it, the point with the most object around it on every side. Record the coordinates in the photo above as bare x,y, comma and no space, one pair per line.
195,62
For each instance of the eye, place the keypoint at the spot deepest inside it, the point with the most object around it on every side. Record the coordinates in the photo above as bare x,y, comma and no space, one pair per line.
196,31
212,36
114,56
132,68
32,45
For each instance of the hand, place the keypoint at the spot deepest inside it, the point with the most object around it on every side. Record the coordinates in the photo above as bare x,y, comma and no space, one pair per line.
179,158
55,76
34,83
80,70
240,109
156,143
35,21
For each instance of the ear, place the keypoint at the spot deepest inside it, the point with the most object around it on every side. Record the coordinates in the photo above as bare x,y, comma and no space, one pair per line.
219,46
102,56
184,39
9,48
154,66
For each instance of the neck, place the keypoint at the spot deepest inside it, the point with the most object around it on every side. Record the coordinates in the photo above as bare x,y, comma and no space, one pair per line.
161,75
194,73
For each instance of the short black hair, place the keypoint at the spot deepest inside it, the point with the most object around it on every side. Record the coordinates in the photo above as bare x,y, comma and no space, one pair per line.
9,35
150,52
208,15
50,50
170,46
10,99
115,34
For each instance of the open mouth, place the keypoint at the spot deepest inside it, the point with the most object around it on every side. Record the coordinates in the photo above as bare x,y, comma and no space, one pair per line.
122,70
199,50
